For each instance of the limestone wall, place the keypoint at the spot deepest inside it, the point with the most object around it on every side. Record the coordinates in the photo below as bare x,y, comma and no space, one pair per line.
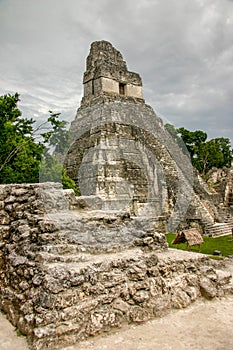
107,85
57,290
134,90
110,85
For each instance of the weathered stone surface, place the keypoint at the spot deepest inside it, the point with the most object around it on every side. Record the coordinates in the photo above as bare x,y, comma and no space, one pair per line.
223,277
208,288
162,305
107,75
56,293
88,202
120,150
180,299
121,305
67,271
211,209
4,218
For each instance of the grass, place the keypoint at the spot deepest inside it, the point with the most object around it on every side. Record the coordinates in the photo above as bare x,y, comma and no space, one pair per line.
222,243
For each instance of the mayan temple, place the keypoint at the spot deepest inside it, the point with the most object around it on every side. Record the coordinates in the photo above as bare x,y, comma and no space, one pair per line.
122,155
72,267
120,151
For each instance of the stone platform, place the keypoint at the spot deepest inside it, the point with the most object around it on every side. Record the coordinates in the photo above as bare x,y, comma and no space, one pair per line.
79,300
61,282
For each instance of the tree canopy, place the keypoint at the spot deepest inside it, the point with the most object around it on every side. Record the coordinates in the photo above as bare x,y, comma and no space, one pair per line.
20,155
204,154
22,158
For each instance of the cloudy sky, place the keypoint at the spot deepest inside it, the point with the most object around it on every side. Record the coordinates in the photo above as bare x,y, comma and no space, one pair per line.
183,51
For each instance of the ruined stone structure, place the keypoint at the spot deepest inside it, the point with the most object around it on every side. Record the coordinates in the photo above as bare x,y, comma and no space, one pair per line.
107,75
122,154
220,181
72,267
211,209
120,150
62,281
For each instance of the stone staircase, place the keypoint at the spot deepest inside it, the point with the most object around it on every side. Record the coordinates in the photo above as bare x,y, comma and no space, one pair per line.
218,229
93,277
225,214
229,191
94,231
212,228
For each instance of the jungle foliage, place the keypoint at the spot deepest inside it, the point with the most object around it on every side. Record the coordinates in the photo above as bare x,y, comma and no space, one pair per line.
24,149
204,154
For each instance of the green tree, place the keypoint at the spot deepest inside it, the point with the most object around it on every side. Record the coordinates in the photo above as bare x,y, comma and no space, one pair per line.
214,153
192,139
51,169
19,154
58,137
57,140
22,159
204,154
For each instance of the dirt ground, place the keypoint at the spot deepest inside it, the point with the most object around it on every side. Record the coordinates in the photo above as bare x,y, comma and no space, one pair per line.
205,325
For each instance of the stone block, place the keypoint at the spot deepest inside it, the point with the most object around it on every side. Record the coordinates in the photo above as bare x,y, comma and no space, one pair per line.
208,288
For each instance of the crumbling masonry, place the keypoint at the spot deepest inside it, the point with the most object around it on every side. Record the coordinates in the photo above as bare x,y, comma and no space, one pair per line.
73,267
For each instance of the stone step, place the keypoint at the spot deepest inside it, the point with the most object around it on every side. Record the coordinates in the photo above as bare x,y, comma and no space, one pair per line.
99,238
219,229
98,235
61,249
62,258
95,259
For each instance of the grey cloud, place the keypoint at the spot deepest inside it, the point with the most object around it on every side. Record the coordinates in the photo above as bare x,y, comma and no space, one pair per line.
183,51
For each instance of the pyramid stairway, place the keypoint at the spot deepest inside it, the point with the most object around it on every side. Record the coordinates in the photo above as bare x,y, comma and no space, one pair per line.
219,229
